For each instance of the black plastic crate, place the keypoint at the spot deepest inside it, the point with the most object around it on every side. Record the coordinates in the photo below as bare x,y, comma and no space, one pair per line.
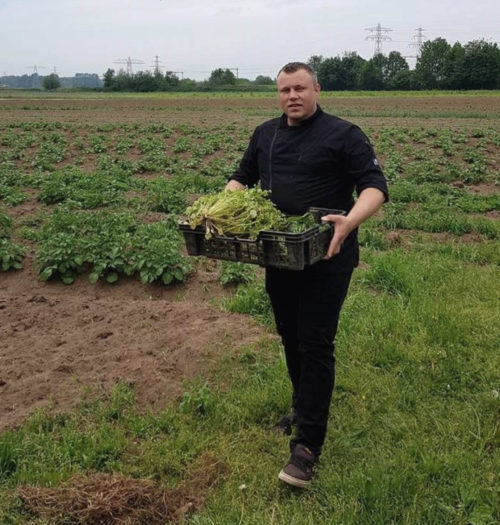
292,251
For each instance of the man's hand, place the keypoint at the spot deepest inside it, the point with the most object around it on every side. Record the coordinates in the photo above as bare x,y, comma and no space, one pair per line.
234,185
343,228
369,201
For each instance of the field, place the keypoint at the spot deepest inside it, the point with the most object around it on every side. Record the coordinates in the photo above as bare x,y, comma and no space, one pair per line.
145,381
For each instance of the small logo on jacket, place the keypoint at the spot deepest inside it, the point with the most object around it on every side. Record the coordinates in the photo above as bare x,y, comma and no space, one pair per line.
375,161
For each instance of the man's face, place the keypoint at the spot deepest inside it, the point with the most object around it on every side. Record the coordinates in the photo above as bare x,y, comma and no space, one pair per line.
298,95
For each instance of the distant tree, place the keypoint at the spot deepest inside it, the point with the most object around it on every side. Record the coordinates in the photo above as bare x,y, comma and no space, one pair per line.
481,65
171,79
315,62
403,80
222,77
331,74
84,80
393,64
432,64
188,84
263,80
121,81
144,81
337,73
109,78
453,67
371,76
51,82
352,64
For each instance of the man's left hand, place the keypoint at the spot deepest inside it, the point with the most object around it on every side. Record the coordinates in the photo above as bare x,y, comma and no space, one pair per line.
342,229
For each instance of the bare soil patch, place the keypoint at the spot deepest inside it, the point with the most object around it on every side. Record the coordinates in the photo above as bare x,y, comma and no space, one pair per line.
209,111
61,342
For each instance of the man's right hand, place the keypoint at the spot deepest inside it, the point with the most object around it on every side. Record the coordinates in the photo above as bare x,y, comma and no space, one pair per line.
234,185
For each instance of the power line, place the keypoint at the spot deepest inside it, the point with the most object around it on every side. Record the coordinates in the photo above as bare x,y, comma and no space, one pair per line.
379,36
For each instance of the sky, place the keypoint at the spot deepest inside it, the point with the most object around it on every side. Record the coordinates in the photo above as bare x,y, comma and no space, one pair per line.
194,37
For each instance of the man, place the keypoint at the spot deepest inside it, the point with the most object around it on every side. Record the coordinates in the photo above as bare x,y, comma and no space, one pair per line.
309,158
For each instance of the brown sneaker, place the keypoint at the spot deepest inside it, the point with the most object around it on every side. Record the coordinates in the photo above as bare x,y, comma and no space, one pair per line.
299,470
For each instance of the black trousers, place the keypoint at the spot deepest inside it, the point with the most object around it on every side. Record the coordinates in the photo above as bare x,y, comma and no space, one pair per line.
306,306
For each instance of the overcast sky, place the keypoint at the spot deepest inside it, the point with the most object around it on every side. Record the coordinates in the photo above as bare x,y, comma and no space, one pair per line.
197,36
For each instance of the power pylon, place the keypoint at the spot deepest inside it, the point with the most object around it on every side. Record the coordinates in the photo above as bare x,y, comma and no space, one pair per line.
378,34
35,68
419,37
156,65
129,61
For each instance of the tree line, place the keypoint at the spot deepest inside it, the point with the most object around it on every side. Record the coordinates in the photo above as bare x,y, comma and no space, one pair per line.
220,80
475,65
52,81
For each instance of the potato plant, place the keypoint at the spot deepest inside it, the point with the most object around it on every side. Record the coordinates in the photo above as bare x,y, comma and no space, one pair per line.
108,244
11,254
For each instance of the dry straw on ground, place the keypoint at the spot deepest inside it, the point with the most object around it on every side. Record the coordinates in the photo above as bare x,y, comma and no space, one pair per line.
105,499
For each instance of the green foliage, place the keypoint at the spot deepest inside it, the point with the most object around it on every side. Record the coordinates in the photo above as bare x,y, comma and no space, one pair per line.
432,64
155,253
243,213
444,195
5,225
236,272
166,195
142,81
252,299
11,254
51,151
11,185
197,403
107,245
434,218
88,190
222,77
51,82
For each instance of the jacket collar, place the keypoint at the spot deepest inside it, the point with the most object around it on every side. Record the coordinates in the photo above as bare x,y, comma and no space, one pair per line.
303,123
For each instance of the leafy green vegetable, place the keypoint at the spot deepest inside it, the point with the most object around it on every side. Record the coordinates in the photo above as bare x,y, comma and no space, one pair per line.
243,214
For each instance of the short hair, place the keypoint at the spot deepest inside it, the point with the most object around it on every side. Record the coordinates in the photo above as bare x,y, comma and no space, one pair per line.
293,67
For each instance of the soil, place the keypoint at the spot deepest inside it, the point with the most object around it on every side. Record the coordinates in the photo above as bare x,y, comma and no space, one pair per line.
217,110
61,344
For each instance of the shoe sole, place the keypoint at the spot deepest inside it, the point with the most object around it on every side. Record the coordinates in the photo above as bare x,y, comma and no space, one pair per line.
295,482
